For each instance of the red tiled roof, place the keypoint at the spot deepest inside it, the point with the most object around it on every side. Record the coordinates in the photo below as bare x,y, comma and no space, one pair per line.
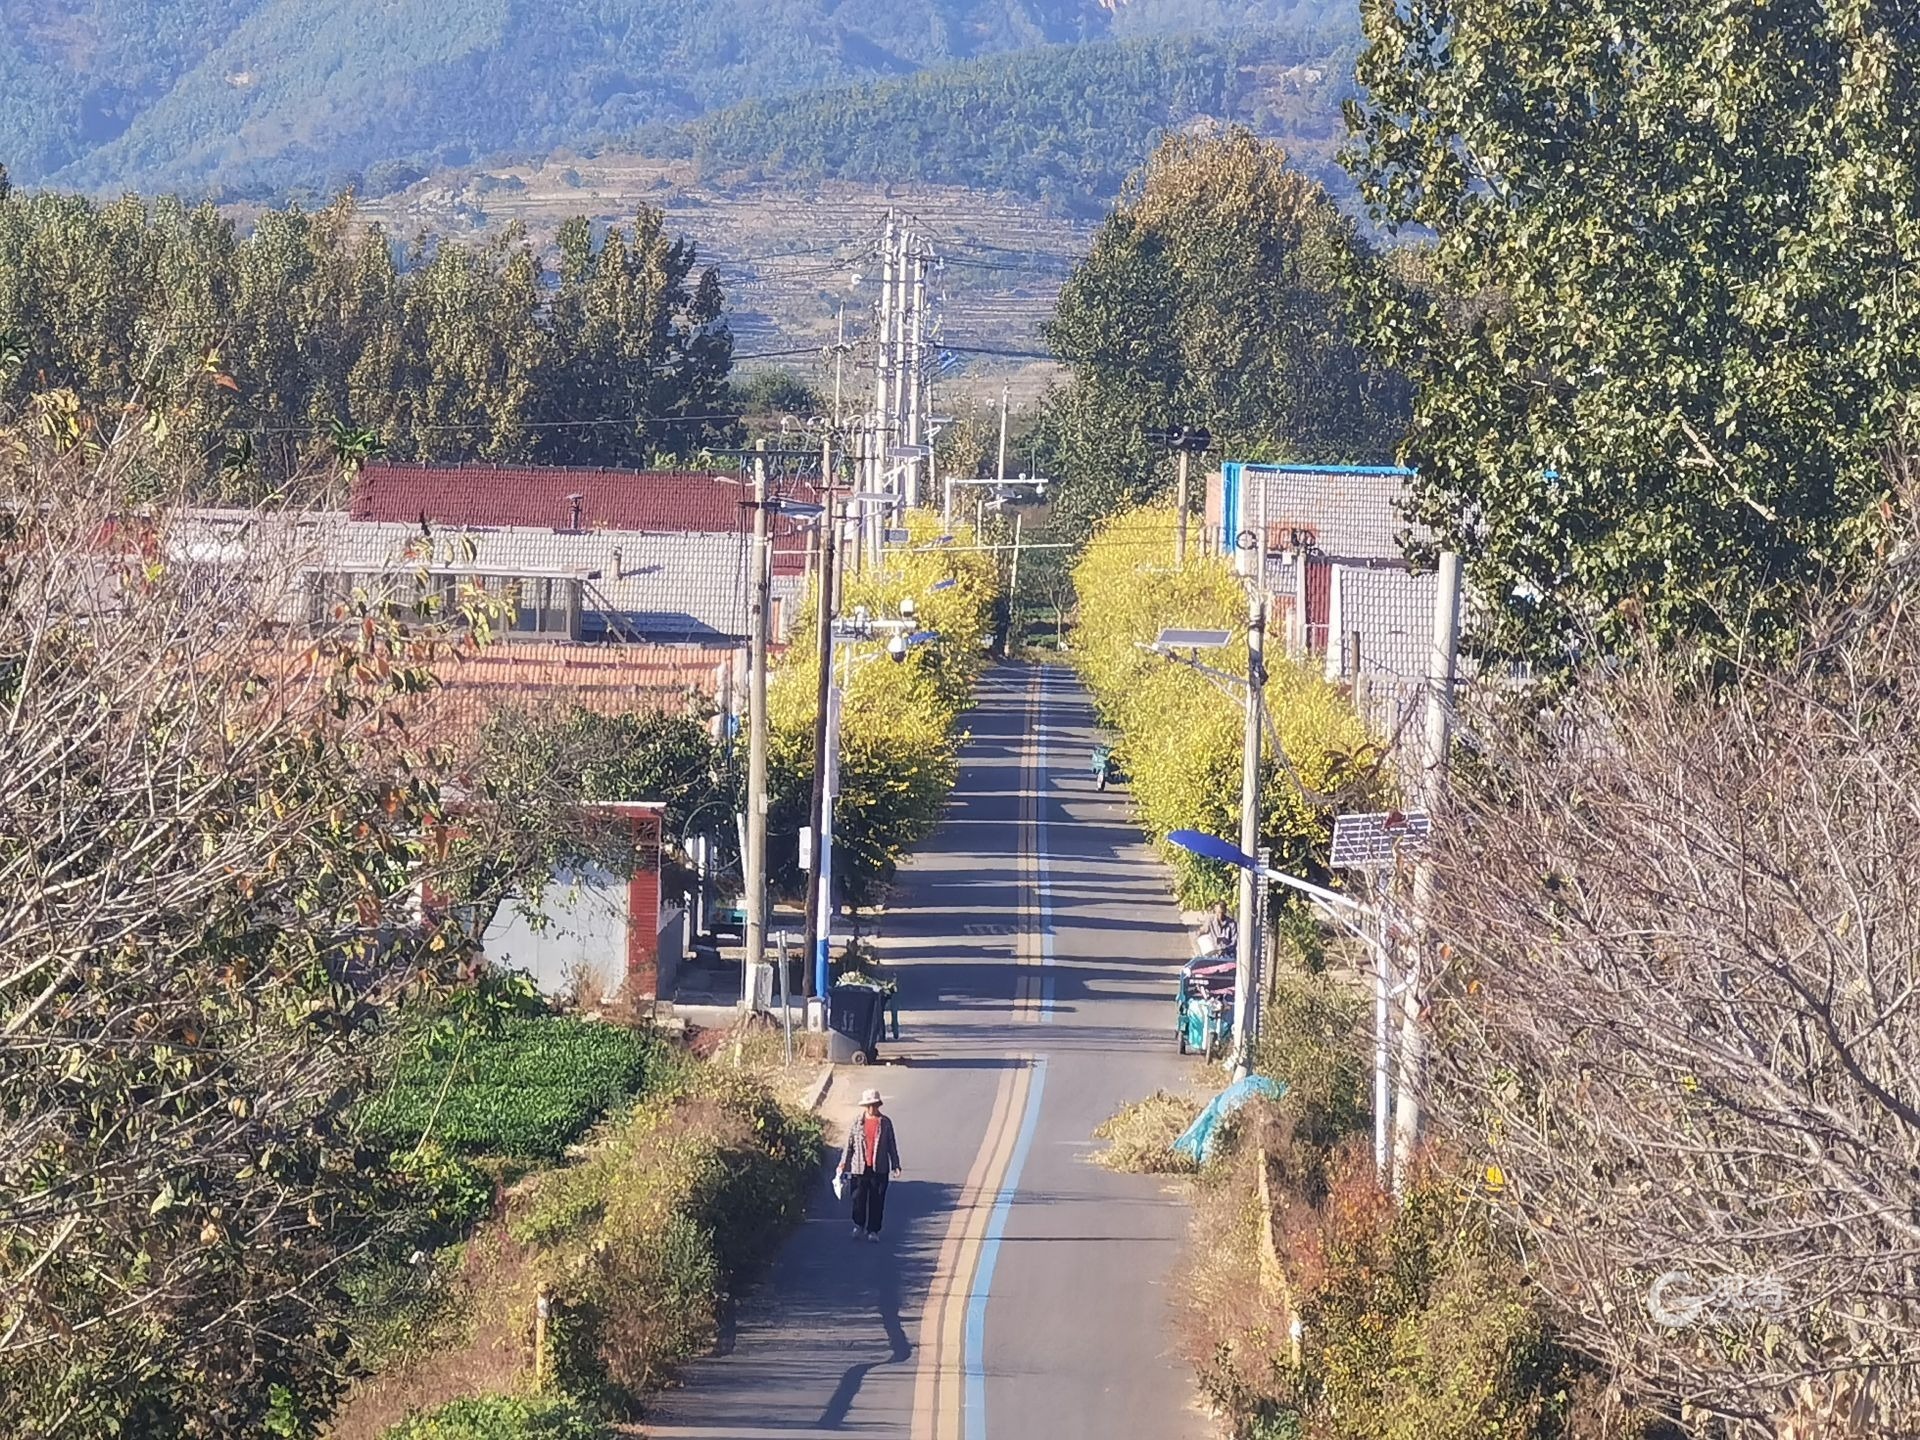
539,495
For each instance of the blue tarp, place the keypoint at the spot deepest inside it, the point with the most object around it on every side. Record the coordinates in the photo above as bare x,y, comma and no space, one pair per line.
1197,1142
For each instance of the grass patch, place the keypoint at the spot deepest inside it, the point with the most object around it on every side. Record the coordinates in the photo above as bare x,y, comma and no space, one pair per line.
1140,1136
502,1417
524,1088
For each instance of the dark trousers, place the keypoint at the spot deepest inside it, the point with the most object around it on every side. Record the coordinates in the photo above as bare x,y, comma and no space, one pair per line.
869,1200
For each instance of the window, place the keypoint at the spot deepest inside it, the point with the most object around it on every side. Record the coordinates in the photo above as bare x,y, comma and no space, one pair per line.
530,607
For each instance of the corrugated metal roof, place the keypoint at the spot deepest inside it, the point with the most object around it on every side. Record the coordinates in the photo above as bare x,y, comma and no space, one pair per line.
666,587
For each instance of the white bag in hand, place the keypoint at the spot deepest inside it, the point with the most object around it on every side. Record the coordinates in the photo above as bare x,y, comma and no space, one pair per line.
839,1186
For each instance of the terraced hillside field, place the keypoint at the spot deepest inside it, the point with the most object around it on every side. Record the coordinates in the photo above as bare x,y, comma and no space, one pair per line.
789,253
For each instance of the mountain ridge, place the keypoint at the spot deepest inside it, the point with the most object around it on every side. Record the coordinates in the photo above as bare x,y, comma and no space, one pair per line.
255,96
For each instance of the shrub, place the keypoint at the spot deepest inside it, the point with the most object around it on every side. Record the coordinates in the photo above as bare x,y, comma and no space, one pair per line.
502,1417
1414,1323
638,1242
1310,1040
525,1087
451,1191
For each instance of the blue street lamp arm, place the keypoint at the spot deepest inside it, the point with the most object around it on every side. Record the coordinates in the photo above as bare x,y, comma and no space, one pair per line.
1212,847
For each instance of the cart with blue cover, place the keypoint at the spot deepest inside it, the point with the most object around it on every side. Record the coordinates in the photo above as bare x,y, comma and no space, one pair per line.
1204,1021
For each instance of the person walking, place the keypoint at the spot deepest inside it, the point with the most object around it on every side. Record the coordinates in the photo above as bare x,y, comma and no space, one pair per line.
869,1160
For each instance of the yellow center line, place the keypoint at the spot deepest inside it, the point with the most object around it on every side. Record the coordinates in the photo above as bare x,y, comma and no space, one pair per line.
940,1355
939,1382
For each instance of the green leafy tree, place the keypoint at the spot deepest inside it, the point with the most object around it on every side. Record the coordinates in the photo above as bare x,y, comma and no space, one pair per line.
1212,296
635,351
543,765
1663,331
253,355
474,349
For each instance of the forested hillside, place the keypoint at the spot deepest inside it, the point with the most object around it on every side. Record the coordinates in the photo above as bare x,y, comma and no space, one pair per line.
239,95
1065,123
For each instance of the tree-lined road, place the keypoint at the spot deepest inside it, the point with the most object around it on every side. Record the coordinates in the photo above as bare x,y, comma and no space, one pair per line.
1020,1293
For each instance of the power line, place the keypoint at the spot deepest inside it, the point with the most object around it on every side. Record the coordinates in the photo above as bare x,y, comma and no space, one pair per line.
1004,354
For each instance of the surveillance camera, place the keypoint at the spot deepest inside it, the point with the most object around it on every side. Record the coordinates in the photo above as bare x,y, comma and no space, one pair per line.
906,607
897,649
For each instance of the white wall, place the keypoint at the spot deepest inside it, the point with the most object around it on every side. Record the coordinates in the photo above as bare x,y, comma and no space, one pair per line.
575,940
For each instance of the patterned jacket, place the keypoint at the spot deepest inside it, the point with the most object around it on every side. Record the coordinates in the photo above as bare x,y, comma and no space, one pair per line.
853,1155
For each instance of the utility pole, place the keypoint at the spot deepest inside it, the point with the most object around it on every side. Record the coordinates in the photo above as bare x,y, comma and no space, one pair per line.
754,862
839,357
916,365
1000,470
1246,976
823,846
1013,574
882,374
1442,662
896,427
1180,533
820,903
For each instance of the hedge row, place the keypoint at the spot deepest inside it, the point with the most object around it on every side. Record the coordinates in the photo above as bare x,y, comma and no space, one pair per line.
1181,736
636,1244
900,723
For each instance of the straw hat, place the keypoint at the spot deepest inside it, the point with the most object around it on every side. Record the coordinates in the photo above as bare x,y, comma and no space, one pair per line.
870,1097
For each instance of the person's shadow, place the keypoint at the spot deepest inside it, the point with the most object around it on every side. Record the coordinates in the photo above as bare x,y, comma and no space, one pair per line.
886,1293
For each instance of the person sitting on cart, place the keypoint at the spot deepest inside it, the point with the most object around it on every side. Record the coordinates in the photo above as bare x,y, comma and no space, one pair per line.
1222,929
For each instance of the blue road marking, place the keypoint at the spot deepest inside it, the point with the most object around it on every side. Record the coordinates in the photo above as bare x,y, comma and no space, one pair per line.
976,1357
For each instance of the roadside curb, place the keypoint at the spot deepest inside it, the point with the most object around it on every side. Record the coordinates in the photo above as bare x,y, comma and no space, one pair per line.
820,1088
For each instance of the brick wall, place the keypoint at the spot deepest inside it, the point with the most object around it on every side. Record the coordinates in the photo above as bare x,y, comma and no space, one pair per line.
643,914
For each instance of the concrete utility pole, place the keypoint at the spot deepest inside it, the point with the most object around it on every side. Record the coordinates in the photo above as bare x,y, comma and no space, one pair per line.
818,902
1000,470
754,862
1180,532
1442,662
1013,574
897,427
916,366
882,381
839,358
1246,970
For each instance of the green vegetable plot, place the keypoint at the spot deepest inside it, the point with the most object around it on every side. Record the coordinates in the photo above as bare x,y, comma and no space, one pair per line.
525,1088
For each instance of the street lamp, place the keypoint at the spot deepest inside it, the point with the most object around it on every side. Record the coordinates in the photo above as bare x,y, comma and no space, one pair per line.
1184,441
1003,487
1344,909
902,636
1246,1014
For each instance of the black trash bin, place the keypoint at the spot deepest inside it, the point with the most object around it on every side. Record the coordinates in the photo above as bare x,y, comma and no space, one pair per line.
856,1019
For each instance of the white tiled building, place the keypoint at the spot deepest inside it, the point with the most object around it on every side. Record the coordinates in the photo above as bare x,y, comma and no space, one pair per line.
1342,589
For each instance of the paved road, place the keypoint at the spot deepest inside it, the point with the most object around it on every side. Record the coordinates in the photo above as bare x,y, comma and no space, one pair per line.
1020,1291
